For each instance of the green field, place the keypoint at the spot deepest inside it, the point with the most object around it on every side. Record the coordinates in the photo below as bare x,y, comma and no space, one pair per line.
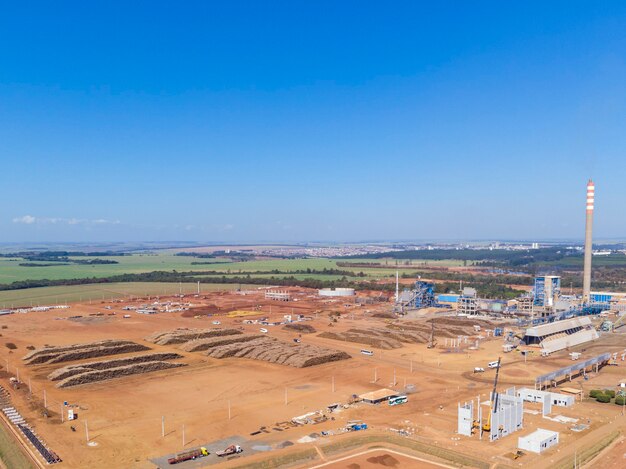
10,452
11,271
615,260
391,263
102,291
269,276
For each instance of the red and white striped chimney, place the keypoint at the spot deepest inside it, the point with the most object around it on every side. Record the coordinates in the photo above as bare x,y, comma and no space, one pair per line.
591,193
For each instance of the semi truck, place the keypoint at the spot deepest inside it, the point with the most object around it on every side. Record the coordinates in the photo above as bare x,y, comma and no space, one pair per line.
232,449
189,455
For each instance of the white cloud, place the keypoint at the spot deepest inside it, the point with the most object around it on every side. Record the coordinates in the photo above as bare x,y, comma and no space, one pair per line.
30,220
26,219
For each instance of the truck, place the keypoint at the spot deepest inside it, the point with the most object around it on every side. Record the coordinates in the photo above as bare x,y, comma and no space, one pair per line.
189,455
356,427
232,449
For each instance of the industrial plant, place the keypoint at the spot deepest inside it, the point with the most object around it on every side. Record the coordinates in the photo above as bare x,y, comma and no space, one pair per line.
294,373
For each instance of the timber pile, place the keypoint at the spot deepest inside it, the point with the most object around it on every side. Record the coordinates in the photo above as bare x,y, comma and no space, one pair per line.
379,338
104,348
72,370
200,345
301,328
180,336
111,373
444,327
269,349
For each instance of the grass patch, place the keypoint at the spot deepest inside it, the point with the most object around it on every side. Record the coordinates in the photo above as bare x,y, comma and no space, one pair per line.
587,454
441,453
10,453
285,460
102,291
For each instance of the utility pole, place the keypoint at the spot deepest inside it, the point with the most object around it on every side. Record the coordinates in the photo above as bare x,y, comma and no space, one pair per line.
62,412
45,401
163,426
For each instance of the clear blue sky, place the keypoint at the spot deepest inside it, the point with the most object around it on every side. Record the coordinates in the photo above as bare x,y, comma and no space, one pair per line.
293,121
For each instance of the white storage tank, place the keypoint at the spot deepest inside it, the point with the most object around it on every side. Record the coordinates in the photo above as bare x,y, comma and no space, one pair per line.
336,292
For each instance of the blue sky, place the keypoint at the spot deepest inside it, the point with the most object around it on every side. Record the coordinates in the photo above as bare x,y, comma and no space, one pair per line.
295,121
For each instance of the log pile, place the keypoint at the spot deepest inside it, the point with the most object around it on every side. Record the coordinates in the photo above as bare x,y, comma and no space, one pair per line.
51,354
117,372
181,336
72,370
275,351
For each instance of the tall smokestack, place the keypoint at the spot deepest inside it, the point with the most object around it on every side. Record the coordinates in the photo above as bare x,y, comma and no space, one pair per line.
397,288
591,188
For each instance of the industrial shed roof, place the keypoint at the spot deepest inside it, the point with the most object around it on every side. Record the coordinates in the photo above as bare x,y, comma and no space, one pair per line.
569,341
379,395
558,326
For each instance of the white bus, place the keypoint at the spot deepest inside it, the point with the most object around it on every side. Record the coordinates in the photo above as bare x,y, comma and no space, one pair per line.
369,353
398,400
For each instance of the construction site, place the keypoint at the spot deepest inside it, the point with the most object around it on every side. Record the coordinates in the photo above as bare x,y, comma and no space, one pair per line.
299,377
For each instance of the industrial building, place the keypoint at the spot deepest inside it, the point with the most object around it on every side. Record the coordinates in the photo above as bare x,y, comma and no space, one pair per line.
560,334
334,292
538,441
277,295
467,304
555,398
525,305
465,421
448,298
615,301
507,414
547,290
422,295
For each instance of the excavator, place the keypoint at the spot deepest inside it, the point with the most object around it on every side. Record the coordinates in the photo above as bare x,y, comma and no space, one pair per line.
494,400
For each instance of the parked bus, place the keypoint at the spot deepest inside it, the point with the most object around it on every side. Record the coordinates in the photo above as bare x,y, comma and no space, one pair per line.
369,353
398,400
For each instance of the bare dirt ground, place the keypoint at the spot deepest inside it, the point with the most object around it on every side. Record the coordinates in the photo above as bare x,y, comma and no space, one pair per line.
124,415
380,459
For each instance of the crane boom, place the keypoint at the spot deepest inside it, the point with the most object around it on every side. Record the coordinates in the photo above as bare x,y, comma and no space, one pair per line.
493,407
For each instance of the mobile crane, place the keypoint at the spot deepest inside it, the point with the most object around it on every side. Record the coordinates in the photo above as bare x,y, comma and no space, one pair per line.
493,407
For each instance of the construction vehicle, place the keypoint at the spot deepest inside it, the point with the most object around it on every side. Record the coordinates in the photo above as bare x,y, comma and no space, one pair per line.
189,455
493,407
432,342
356,427
232,449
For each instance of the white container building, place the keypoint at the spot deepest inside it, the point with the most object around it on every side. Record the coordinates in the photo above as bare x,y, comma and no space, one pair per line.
538,441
